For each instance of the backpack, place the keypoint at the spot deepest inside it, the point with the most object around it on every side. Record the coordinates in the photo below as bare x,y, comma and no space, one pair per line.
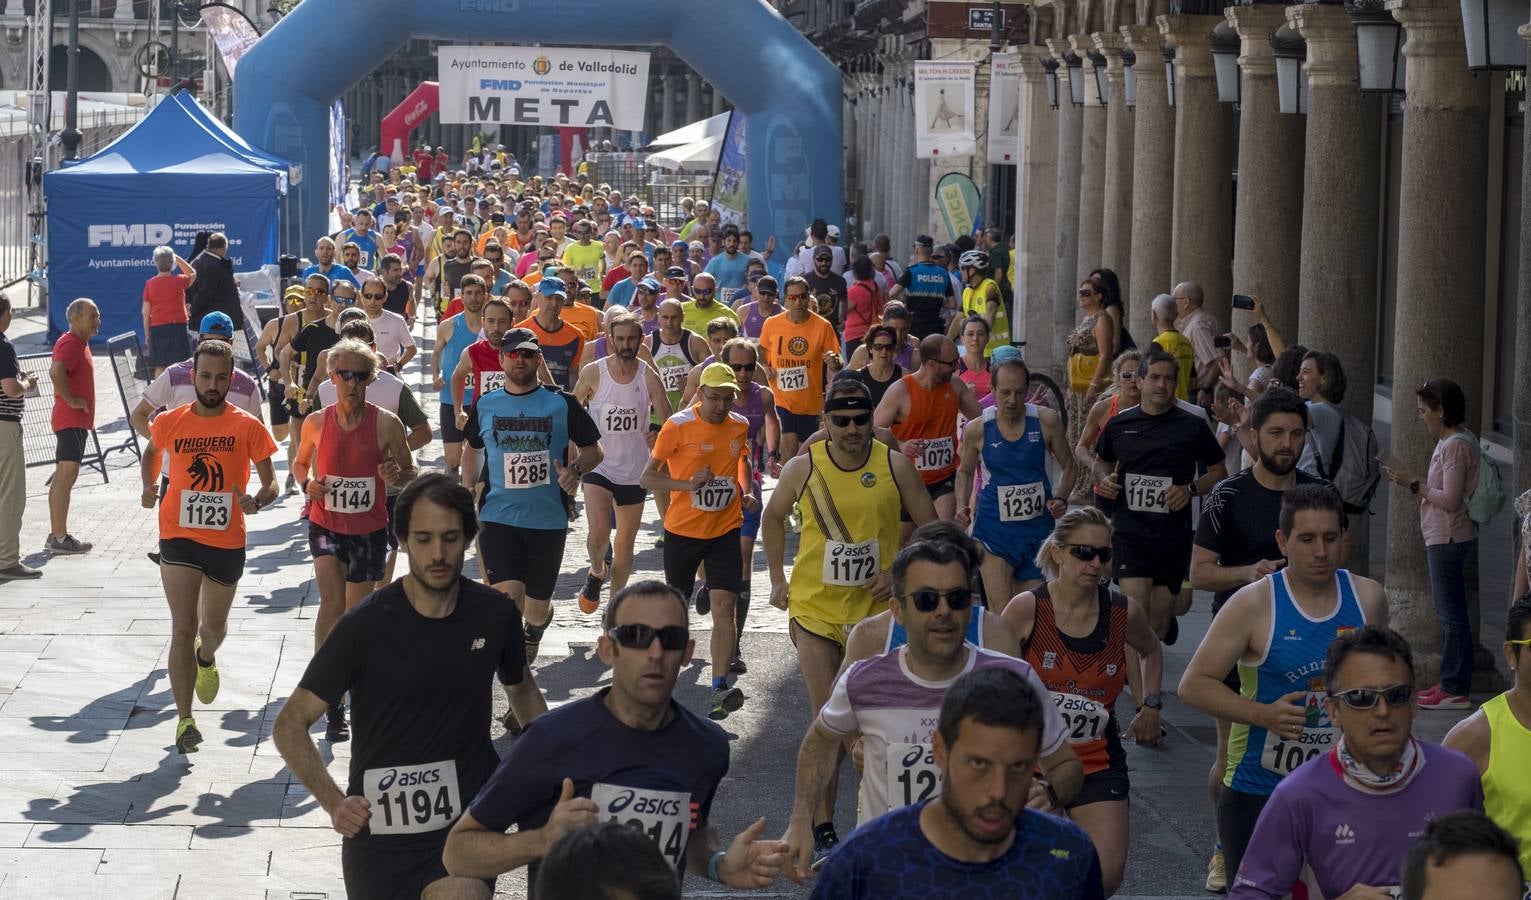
1354,471
1487,496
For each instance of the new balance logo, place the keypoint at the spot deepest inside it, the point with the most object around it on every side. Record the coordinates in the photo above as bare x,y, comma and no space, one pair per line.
478,644
1344,835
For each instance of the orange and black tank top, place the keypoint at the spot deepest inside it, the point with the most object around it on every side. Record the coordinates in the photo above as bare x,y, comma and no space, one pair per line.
1084,675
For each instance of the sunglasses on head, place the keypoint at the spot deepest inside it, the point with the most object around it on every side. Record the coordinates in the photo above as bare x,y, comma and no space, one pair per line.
352,375
641,637
860,419
372,296
1088,552
926,600
1366,698
521,353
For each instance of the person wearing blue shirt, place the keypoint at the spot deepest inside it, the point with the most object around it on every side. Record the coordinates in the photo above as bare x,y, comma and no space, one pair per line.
524,430
628,754
729,267
621,293
978,839
929,288
362,235
324,253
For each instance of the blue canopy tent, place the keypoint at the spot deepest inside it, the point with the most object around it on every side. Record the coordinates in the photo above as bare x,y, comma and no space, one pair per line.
177,172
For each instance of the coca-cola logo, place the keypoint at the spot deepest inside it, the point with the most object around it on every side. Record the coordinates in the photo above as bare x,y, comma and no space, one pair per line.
415,114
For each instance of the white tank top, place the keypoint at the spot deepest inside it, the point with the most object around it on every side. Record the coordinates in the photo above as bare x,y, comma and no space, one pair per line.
621,411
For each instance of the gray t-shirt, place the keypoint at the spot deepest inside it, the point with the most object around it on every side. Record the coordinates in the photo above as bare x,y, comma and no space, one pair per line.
1325,423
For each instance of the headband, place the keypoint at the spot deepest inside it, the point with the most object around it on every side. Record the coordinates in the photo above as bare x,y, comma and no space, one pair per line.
847,402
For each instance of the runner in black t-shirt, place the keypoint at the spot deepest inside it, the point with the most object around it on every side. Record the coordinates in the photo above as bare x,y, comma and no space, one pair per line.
628,754
1236,537
1148,457
417,658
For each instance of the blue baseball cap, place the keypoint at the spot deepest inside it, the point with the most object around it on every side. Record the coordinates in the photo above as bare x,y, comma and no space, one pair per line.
650,285
1004,353
552,287
639,224
217,323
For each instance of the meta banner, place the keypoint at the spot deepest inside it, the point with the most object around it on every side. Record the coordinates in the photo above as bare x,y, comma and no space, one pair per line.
557,86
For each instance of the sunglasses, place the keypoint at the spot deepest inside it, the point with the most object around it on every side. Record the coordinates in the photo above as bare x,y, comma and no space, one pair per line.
1087,552
797,296
316,290
744,367
950,363
1086,292
1129,375
1366,698
858,420
926,600
345,300
352,375
372,296
702,292
641,637
522,353
881,347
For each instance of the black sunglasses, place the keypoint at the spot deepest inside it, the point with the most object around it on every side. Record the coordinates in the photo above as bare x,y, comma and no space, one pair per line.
702,292
1366,698
742,367
846,421
641,637
352,375
368,296
1087,552
957,599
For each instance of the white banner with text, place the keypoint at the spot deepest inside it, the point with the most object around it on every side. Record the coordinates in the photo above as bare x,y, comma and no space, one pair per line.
943,109
568,86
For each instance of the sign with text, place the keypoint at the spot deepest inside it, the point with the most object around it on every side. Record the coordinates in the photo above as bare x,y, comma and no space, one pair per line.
557,86
943,109
1004,109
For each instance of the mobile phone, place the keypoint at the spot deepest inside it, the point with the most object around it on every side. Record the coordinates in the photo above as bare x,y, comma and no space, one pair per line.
1222,341
1243,301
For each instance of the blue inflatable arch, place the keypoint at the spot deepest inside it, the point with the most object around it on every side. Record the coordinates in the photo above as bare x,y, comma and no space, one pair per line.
787,91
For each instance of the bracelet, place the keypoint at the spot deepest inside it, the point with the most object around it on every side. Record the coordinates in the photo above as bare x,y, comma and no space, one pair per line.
712,865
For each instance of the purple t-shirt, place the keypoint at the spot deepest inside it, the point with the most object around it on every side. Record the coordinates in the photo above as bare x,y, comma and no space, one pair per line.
1345,836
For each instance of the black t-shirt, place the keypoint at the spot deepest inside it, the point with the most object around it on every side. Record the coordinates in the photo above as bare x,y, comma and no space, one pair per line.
661,782
833,285
1238,522
452,271
310,341
1152,453
421,693
10,407
878,388
397,300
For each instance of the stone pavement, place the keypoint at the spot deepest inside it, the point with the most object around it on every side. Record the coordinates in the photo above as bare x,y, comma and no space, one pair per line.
95,802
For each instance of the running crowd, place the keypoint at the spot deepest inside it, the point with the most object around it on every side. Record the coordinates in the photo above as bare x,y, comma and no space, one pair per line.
974,564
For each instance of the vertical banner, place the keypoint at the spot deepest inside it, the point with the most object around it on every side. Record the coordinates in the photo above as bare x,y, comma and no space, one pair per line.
339,153
231,32
961,207
1004,109
943,109
728,191
547,155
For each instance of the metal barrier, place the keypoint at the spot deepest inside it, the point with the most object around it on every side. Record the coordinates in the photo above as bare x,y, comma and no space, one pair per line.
132,372
37,441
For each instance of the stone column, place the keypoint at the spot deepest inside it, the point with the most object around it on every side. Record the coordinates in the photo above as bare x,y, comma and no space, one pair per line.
667,103
1268,226
1116,233
1066,248
1036,209
1153,180
693,97
1336,307
717,101
1440,279
1522,402
1092,163
1201,244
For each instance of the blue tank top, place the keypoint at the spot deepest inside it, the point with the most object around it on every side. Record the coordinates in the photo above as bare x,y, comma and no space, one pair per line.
524,435
1257,761
898,637
450,353
1015,486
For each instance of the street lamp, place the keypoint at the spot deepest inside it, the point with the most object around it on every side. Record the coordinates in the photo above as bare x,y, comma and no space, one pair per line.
1129,78
1076,77
1379,47
1291,78
1050,79
1169,74
1491,29
1102,83
1225,64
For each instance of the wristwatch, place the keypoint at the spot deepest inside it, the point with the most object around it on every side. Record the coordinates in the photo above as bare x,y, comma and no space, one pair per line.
1414,486
1153,701
1191,488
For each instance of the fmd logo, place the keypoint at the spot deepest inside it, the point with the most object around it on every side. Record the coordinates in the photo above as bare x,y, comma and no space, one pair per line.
142,235
490,6
498,84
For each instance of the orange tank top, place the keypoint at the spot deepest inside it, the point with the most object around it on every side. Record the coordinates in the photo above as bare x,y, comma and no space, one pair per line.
932,420
1084,675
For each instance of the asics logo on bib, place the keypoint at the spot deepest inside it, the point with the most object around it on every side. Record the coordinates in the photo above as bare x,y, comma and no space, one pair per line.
645,806
408,779
913,756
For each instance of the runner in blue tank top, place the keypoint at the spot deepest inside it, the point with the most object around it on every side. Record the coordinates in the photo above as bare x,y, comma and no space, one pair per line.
1278,636
1016,500
453,337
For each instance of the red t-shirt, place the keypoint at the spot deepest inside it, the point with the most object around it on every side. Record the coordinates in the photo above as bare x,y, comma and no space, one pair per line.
80,372
166,295
423,163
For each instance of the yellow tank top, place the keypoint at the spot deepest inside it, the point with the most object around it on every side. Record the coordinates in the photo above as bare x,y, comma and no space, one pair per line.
975,302
850,533
1507,784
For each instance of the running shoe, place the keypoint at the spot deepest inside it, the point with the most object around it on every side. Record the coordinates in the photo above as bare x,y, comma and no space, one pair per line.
1217,873
154,556
1438,698
659,541
66,545
19,571
187,737
590,597
336,731
291,487
701,598
207,676
824,842
737,666
724,701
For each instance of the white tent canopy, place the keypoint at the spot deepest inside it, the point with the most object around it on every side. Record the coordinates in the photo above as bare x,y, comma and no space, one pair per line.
699,156
690,134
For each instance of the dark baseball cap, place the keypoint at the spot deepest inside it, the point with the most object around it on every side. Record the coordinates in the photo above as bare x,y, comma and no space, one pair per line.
823,250
520,339
675,272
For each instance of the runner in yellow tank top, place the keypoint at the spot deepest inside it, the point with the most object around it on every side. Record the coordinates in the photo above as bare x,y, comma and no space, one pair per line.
981,297
1497,738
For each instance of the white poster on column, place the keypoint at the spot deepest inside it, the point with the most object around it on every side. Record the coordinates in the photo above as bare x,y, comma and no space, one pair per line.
1004,110
943,109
